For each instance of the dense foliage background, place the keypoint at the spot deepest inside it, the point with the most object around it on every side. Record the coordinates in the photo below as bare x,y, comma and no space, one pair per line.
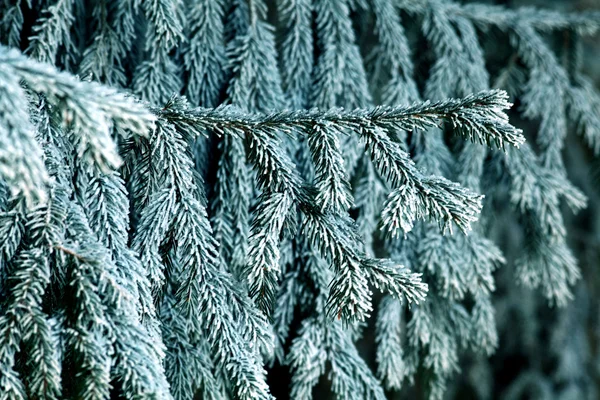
152,249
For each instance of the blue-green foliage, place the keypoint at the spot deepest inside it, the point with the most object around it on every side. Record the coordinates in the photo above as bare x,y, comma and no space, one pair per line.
274,163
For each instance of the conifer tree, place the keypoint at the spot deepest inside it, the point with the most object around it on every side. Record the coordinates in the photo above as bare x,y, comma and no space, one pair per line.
199,197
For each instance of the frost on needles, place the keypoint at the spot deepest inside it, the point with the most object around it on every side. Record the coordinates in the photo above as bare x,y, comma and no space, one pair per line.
190,195
73,125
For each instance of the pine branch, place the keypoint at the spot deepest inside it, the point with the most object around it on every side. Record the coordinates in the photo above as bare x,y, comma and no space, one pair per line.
205,56
477,117
21,163
390,364
583,105
157,78
392,55
201,286
52,31
90,109
339,76
296,50
11,23
115,32
484,16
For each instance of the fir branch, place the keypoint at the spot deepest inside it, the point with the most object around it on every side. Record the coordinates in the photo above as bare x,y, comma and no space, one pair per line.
138,366
339,76
544,94
391,55
536,191
296,50
188,363
11,23
115,32
426,196
90,116
201,285
256,86
25,320
283,313
321,340
485,16
52,31
369,194
349,297
31,275
583,105
485,334
21,163
391,367
231,203
105,202
204,58
307,357
396,280
157,78
12,229
263,257
350,374
549,264
478,117
331,180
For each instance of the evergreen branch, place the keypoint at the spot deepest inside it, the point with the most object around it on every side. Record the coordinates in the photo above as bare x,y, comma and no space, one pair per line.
339,75
52,32
331,180
24,317
231,203
536,190
201,286
551,265
392,48
188,363
583,104
263,257
396,280
296,50
544,94
478,117
256,84
392,55
97,278
92,112
307,357
485,334
11,23
105,202
103,59
21,163
204,58
31,277
349,297
157,78
283,313
350,374
416,195
12,230
485,16
391,367
321,340
275,169
481,116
